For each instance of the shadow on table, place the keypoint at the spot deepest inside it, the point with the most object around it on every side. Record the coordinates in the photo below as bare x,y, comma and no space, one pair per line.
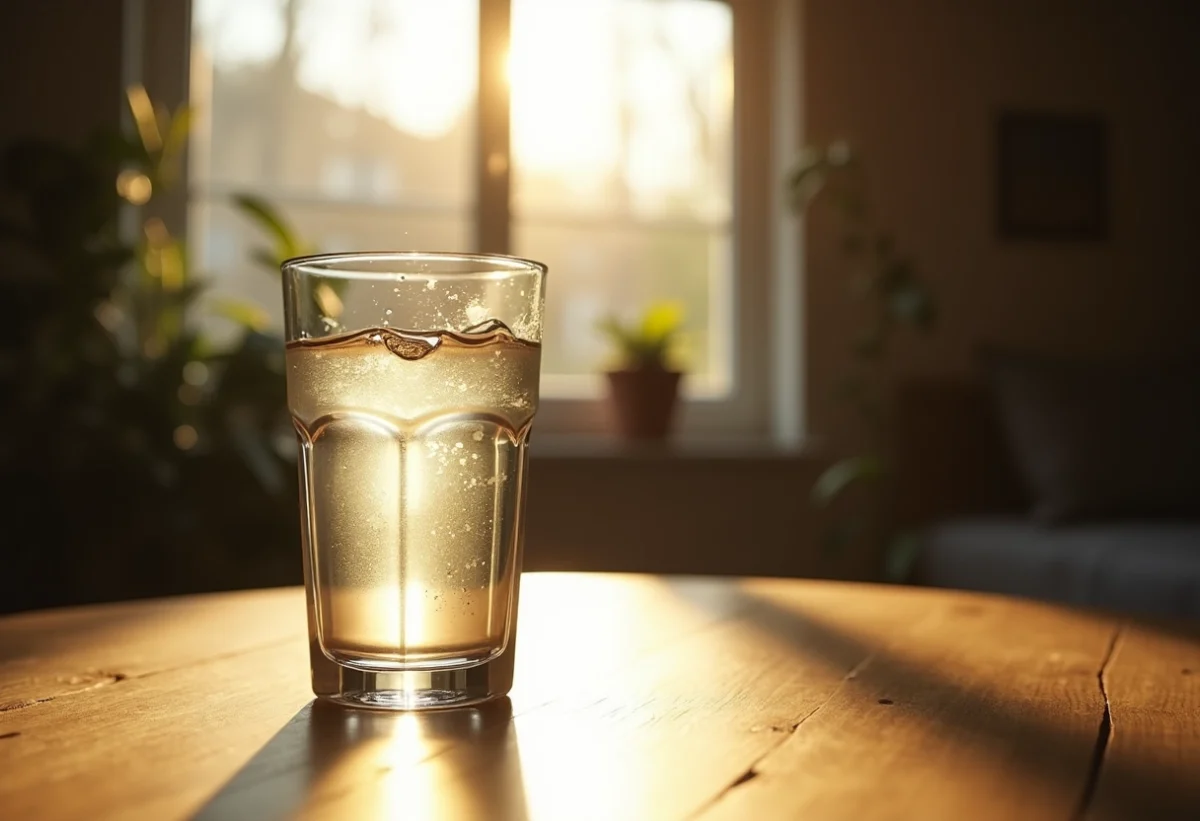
1136,791
460,764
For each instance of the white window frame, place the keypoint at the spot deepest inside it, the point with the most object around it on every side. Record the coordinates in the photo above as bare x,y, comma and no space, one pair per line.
157,53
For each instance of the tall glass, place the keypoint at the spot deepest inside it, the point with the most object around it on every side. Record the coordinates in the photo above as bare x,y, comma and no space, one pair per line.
412,380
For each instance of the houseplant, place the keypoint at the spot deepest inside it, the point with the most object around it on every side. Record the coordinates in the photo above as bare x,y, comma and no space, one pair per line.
643,387
142,457
892,298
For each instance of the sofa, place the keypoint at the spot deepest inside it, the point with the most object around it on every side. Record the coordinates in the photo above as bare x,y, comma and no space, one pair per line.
1074,482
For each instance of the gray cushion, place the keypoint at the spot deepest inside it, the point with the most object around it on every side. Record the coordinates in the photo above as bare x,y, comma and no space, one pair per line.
1151,568
1101,441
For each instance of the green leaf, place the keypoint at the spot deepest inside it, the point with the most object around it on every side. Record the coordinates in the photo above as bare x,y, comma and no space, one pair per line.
911,304
258,210
839,154
265,259
901,555
841,475
661,321
246,314
169,161
144,118
647,343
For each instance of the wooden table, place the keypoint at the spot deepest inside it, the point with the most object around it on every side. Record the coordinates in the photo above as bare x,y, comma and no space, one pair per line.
636,697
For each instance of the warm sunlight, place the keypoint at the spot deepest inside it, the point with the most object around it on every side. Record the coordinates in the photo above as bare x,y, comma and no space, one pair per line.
359,118
564,90
635,91
407,61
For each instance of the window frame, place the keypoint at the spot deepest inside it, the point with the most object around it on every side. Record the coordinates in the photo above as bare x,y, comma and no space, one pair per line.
157,53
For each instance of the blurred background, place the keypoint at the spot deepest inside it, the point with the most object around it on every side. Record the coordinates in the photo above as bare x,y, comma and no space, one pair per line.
934,262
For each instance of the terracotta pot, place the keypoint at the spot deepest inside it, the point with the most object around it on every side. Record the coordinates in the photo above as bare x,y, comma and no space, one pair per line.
642,402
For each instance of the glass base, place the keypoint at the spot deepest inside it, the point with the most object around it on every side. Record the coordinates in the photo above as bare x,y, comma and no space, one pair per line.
409,699
411,689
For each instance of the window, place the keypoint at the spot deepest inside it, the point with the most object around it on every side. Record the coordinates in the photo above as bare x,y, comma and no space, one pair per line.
622,171
359,127
599,137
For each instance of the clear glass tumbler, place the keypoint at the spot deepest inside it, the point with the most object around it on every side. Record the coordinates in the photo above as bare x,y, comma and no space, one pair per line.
412,380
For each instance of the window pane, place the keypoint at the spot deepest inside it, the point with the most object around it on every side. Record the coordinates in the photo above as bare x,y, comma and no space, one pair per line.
312,103
687,263
227,241
622,169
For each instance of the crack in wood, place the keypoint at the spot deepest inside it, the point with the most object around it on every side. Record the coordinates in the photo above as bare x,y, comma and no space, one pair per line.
93,679
752,772
29,702
744,777
1103,734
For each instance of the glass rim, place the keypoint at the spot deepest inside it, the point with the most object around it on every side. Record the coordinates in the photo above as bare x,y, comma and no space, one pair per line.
330,264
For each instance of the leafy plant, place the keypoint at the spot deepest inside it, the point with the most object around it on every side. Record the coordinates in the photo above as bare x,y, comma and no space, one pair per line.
143,457
647,343
893,299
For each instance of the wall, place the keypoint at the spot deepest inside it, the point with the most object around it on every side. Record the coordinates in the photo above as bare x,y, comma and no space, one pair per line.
61,68
697,510
917,85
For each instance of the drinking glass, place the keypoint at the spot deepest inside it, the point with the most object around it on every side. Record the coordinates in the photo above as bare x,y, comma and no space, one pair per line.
412,381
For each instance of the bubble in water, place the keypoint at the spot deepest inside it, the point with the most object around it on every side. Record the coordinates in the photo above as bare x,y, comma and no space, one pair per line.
407,347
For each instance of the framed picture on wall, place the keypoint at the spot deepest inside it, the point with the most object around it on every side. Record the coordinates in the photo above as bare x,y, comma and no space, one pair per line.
1052,180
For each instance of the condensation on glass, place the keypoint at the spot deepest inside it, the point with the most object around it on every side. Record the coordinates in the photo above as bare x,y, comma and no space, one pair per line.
412,382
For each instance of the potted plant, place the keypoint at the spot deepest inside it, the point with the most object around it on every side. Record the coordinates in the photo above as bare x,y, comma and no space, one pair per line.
893,298
152,459
643,387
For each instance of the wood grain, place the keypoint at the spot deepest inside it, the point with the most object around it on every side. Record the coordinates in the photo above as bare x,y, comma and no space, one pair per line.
986,712
1151,765
636,697
51,653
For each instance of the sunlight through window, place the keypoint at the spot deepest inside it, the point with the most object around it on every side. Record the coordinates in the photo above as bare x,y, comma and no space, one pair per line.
359,120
